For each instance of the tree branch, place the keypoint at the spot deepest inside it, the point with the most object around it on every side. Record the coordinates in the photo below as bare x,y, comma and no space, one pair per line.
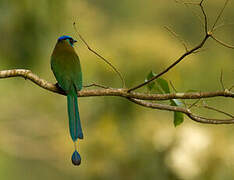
207,35
27,74
200,45
183,110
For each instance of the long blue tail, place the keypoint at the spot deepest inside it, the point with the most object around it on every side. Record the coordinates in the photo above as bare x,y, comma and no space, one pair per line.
74,117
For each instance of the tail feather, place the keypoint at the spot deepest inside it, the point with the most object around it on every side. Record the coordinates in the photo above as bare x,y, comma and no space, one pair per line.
74,118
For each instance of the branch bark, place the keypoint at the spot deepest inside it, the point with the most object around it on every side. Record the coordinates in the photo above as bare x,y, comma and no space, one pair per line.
138,98
183,110
122,92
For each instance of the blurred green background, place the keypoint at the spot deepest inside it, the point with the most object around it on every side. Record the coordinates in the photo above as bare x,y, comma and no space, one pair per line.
122,140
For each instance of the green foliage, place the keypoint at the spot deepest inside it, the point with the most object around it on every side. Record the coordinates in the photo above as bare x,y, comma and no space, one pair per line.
161,86
178,116
152,86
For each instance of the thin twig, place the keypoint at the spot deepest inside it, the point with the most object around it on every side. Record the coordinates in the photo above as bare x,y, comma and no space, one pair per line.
217,110
221,80
221,25
194,104
101,57
182,2
173,87
177,37
222,43
219,15
213,109
194,12
231,88
205,16
96,85
200,50
182,110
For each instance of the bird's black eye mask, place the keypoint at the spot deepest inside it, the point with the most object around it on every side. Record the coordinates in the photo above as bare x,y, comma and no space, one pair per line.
72,41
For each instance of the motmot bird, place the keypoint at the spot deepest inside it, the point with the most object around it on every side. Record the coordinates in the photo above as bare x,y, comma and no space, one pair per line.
66,67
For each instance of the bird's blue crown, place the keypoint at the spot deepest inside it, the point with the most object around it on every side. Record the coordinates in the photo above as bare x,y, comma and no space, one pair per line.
64,37
67,38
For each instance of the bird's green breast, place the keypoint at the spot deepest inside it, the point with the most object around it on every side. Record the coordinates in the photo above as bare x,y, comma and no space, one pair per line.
66,67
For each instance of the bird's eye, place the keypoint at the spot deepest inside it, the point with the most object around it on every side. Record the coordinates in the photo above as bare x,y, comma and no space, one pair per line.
71,41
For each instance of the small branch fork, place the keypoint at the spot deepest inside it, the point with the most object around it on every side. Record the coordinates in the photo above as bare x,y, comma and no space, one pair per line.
144,99
185,111
208,34
138,98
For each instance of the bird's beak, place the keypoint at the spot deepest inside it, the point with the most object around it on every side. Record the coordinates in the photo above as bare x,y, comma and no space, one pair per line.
74,41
